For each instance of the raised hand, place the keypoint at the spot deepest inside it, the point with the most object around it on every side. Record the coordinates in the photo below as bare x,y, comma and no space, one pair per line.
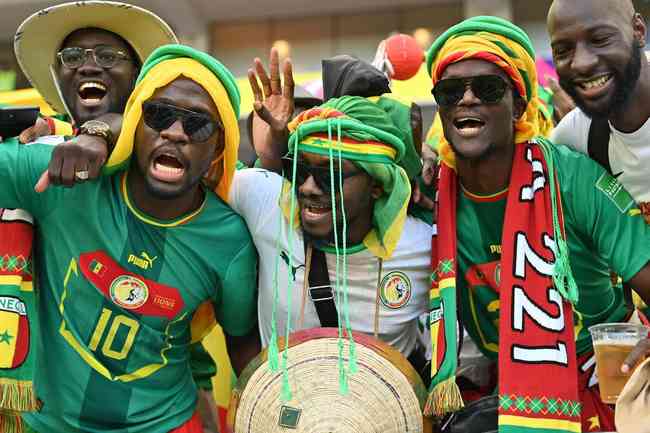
273,109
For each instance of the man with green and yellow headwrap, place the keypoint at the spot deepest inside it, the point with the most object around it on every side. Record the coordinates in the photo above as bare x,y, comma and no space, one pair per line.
338,218
526,234
133,267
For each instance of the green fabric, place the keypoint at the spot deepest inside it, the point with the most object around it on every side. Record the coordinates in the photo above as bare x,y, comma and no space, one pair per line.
490,24
182,258
203,366
603,232
400,114
174,51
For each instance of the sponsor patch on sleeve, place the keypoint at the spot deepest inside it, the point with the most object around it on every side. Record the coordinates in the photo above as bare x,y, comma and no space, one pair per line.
613,189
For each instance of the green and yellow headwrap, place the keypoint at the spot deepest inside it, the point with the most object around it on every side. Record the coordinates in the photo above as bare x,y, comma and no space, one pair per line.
354,128
500,42
163,66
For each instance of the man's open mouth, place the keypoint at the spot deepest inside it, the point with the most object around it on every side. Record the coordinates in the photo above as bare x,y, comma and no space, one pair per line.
468,125
315,213
167,168
594,87
92,92
596,82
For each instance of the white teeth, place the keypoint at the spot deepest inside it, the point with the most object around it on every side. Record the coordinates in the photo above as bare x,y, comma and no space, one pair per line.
464,119
167,169
598,82
92,85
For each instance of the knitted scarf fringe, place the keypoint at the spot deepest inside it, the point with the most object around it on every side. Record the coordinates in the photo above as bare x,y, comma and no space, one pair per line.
443,399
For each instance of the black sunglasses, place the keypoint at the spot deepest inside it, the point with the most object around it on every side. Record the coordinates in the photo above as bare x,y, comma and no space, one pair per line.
160,116
321,175
490,89
104,56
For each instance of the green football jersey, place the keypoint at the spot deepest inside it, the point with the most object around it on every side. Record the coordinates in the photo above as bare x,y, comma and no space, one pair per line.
118,292
605,231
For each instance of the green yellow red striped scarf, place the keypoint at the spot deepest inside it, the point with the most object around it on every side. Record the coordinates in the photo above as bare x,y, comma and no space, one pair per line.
529,349
18,319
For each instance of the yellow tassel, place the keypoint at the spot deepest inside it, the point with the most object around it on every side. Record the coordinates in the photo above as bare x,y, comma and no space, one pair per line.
11,423
443,399
18,396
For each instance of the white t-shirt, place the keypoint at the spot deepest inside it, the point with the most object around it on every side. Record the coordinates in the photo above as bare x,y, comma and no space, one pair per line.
629,153
404,278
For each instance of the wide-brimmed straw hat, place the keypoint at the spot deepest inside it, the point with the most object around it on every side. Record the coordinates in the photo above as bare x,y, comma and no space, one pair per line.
40,36
385,394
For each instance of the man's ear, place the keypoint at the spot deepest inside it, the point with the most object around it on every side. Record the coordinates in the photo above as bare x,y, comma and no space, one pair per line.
640,29
519,107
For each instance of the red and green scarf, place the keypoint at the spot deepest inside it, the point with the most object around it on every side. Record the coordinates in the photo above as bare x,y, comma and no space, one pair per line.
536,337
18,325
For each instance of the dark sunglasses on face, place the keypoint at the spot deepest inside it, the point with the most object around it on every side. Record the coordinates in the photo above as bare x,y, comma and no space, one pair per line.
160,116
321,175
490,89
104,56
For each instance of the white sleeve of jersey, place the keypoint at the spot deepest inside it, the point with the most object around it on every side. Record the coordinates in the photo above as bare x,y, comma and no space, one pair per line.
254,195
573,131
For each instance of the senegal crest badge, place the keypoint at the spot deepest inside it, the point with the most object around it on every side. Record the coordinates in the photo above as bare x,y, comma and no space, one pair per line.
395,290
129,292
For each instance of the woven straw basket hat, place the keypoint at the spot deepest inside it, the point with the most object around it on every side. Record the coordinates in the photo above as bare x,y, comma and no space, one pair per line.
386,394
40,36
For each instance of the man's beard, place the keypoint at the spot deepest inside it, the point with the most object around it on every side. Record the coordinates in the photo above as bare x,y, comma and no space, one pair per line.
625,85
487,153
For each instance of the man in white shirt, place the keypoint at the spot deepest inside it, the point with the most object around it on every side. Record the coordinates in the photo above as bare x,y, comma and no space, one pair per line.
387,254
598,52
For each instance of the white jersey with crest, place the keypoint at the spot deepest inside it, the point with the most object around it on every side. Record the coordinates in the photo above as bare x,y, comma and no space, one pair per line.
403,282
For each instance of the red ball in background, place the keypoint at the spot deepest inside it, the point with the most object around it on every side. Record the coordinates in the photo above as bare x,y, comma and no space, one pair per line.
405,55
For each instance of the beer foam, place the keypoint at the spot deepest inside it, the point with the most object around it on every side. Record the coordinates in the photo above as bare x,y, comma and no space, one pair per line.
616,341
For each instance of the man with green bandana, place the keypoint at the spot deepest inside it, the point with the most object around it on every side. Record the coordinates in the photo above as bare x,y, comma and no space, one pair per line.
526,234
342,166
134,266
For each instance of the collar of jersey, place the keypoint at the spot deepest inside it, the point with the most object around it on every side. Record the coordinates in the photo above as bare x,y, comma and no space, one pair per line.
151,220
483,198
330,249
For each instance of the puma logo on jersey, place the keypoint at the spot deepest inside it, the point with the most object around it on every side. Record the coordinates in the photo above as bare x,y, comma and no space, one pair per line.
495,249
143,262
285,258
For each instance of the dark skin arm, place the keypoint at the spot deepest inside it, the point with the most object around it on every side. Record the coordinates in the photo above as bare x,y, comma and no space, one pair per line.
85,152
641,284
243,349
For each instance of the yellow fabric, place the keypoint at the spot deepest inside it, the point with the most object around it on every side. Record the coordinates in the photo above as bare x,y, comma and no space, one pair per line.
349,145
465,47
9,322
61,127
161,75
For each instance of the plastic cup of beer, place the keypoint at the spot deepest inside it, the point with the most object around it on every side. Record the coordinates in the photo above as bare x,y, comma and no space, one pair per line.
613,342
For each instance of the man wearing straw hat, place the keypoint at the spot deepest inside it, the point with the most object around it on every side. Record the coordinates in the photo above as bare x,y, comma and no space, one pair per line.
94,51
526,232
122,329
50,59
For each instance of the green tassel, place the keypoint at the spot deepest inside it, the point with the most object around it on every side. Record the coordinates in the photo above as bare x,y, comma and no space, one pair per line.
273,353
562,273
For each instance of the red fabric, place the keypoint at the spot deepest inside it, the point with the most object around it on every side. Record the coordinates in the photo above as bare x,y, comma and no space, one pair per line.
193,425
596,415
536,337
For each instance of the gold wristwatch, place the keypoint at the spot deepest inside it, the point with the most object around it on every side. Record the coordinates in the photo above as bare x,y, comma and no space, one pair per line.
97,128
